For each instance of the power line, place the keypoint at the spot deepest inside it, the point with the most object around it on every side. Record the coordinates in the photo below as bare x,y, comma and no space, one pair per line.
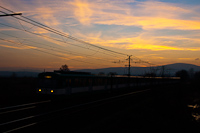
21,44
59,49
10,14
96,51
59,33
40,25
54,48
70,52
43,35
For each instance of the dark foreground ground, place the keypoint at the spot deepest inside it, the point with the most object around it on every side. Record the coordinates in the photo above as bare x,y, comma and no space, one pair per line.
164,108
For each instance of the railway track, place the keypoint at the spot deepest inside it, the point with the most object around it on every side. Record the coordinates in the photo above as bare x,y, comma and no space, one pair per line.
16,117
38,115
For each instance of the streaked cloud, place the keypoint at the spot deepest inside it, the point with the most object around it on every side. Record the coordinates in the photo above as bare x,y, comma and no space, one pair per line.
139,27
18,47
82,11
148,15
153,43
14,47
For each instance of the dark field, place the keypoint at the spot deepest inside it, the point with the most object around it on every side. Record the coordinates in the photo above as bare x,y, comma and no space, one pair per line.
17,90
163,108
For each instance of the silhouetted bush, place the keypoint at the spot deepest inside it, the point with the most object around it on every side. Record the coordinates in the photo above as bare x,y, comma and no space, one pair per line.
150,75
197,75
183,74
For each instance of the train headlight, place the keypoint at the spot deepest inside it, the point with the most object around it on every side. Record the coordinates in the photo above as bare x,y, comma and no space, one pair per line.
51,91
40,89
48,77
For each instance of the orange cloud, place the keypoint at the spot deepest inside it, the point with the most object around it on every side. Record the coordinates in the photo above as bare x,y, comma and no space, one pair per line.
160,47
47,16
83,17
18,47
155,15
82,11
160,9
165,23
40,31
14,47
189,59
145,43
150,22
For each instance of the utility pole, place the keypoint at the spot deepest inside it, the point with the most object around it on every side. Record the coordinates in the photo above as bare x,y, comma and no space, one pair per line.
10,14
129,65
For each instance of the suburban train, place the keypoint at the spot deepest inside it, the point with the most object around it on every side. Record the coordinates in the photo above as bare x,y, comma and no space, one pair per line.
67,83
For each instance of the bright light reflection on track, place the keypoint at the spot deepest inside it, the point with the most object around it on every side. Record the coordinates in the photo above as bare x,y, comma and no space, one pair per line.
24,105
19,128
17,110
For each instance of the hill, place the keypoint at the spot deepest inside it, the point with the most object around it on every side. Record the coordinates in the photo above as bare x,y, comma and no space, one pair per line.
18,74
169,70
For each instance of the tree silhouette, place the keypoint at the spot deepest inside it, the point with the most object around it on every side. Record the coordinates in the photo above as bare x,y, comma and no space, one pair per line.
112,73
197,75
150,74
64,68
101,73
13,75
183,74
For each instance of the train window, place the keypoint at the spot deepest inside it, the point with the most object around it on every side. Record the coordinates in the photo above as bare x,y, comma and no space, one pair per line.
84,82
68,82
47,83
80,82
99,81
90,81
76,82
96,81
109,81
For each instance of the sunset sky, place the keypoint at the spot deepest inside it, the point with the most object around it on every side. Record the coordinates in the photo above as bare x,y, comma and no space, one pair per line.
159,32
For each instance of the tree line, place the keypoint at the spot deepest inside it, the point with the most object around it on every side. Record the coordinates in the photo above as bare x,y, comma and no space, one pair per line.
188,75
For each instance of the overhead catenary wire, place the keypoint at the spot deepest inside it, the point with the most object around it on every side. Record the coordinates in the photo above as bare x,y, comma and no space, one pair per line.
96,51
40,25
59,49
59,33
31,47
63,34
55,49
44,44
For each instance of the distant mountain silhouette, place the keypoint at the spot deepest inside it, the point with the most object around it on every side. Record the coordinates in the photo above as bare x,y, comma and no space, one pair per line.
184,66
169,70
18,74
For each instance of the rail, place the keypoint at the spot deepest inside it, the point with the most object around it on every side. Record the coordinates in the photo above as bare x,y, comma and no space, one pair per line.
33,117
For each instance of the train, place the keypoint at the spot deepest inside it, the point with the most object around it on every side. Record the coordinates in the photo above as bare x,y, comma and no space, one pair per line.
67,83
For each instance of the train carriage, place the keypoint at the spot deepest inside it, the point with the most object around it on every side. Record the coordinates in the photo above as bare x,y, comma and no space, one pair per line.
67,83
